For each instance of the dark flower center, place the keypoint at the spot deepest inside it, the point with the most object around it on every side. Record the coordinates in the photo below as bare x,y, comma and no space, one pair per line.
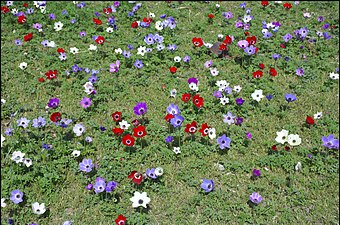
223,142
140,201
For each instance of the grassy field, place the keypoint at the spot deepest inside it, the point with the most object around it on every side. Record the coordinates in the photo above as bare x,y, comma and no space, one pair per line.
309,195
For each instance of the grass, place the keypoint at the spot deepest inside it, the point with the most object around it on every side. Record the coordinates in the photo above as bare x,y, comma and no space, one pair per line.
309,196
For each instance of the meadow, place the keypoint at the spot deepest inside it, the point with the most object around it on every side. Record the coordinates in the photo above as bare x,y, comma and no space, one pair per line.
130,113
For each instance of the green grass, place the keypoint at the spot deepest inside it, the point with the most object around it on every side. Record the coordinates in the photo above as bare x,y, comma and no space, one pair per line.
310,196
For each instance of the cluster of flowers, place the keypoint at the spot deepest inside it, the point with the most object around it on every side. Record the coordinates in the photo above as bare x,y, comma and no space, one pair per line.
139,131
100,186
223,88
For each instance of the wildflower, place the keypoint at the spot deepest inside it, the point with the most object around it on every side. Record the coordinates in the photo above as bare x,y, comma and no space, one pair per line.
191,128
214,72
85,102
217,94
74,50
151,173
136,177
186,59
92,48
290,97
140,199
75,153
294,139
250,50
177,120
239,121
207,185
276,56
79,129
224,100
212,133
16,196
140,108
128,140
159,171
23,122
298,166
3,204
186,97
224,141
114,67
198,101
249,135
177,150
257,95
172,47
58,26
173,109
243,44
300,71
120,220
330,142
39,122
318,115
282,136
124,125
86,165
117,116
100,185
23,65
309,120
255,198
239,101
208,64
173,69
256,173
237,88
38,209
334,76
169,139
17,156
139,64
139,131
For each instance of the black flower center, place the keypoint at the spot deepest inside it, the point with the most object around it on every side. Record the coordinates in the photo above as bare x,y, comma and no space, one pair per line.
140,201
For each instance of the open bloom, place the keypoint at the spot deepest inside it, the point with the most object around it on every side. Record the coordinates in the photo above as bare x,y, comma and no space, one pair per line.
294,139
78,129
136,177
86,165
114,67
229,118
120,220
16,196
330,142
140,108
255,198
18,156
224,141
257,95
282,136
140,199
38,208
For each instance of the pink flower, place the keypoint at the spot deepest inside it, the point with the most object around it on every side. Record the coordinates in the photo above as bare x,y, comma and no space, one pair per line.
114,67
243,44
85,102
